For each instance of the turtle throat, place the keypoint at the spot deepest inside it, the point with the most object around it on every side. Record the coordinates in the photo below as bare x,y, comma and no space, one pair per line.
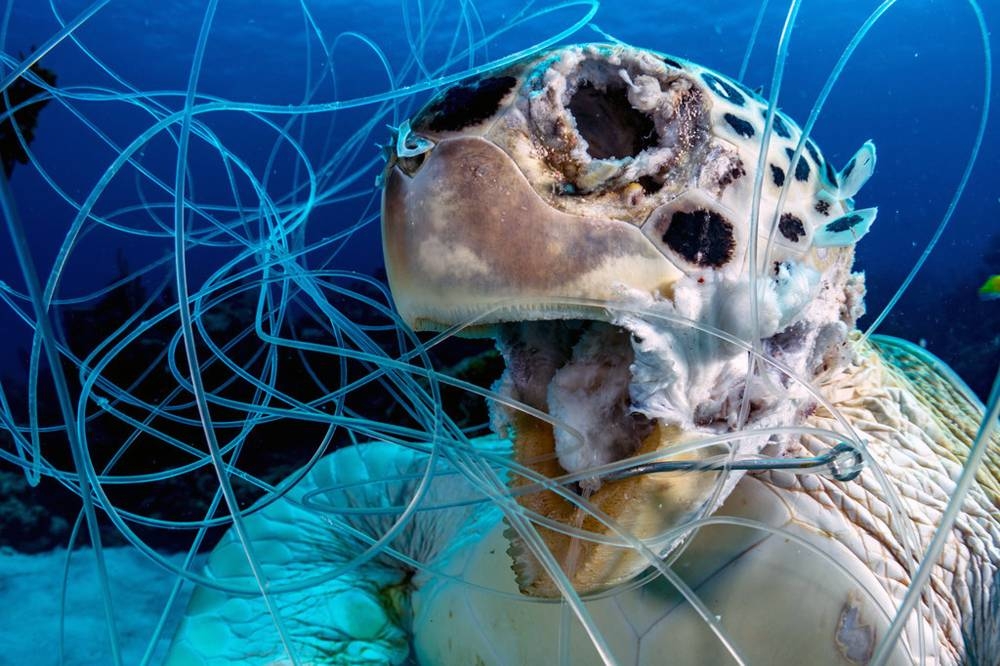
578,372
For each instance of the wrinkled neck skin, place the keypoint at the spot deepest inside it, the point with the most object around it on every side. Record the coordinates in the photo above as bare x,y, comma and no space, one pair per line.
918,427
877,526
661,371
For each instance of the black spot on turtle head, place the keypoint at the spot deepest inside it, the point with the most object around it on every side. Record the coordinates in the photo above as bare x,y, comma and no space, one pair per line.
778,124
844,223
467,103
735,172
671,63
822,207
723,89
791,227
649,184
801,168
849,168
740,126
814,152
703,237
831,175
777,175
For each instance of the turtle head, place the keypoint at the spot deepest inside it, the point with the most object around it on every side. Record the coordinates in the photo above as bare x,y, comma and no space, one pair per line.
590,207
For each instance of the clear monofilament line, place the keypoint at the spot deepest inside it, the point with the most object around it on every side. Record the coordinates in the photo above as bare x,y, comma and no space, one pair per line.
842,463
47,340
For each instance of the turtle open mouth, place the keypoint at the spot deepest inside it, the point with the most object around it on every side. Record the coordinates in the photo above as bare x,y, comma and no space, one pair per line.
578,372
568,402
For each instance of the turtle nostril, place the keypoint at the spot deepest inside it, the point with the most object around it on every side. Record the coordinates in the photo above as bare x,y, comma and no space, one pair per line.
609,124
410,165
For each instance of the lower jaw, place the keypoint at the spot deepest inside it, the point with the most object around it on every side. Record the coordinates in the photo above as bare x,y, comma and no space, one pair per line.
642,507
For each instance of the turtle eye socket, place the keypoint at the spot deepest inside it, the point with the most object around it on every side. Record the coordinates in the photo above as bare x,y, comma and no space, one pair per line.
607,121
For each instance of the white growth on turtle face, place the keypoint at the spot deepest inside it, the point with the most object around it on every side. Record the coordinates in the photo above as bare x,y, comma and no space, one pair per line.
591,393
685,377
678,375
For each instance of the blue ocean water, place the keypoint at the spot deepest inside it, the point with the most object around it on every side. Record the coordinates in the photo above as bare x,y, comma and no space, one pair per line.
915,87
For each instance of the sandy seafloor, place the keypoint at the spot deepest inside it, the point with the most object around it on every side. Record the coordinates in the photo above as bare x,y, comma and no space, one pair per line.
30,608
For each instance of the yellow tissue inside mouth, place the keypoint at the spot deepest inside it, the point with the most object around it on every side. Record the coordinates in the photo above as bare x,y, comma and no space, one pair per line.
604,429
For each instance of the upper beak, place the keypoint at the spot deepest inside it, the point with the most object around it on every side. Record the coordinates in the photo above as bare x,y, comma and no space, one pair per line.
468,237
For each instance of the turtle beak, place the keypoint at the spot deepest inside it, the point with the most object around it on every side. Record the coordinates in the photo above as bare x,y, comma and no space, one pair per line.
466,237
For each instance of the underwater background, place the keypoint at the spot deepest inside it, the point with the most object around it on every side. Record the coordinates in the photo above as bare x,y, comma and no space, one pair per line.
284,87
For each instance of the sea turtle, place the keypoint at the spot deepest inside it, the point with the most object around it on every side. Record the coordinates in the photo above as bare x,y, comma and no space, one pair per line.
591,207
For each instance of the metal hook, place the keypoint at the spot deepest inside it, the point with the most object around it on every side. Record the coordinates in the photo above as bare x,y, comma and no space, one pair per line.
842,463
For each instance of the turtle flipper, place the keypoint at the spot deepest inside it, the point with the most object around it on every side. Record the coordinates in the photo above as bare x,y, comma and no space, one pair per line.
857,171
948,400
337,599
846,229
